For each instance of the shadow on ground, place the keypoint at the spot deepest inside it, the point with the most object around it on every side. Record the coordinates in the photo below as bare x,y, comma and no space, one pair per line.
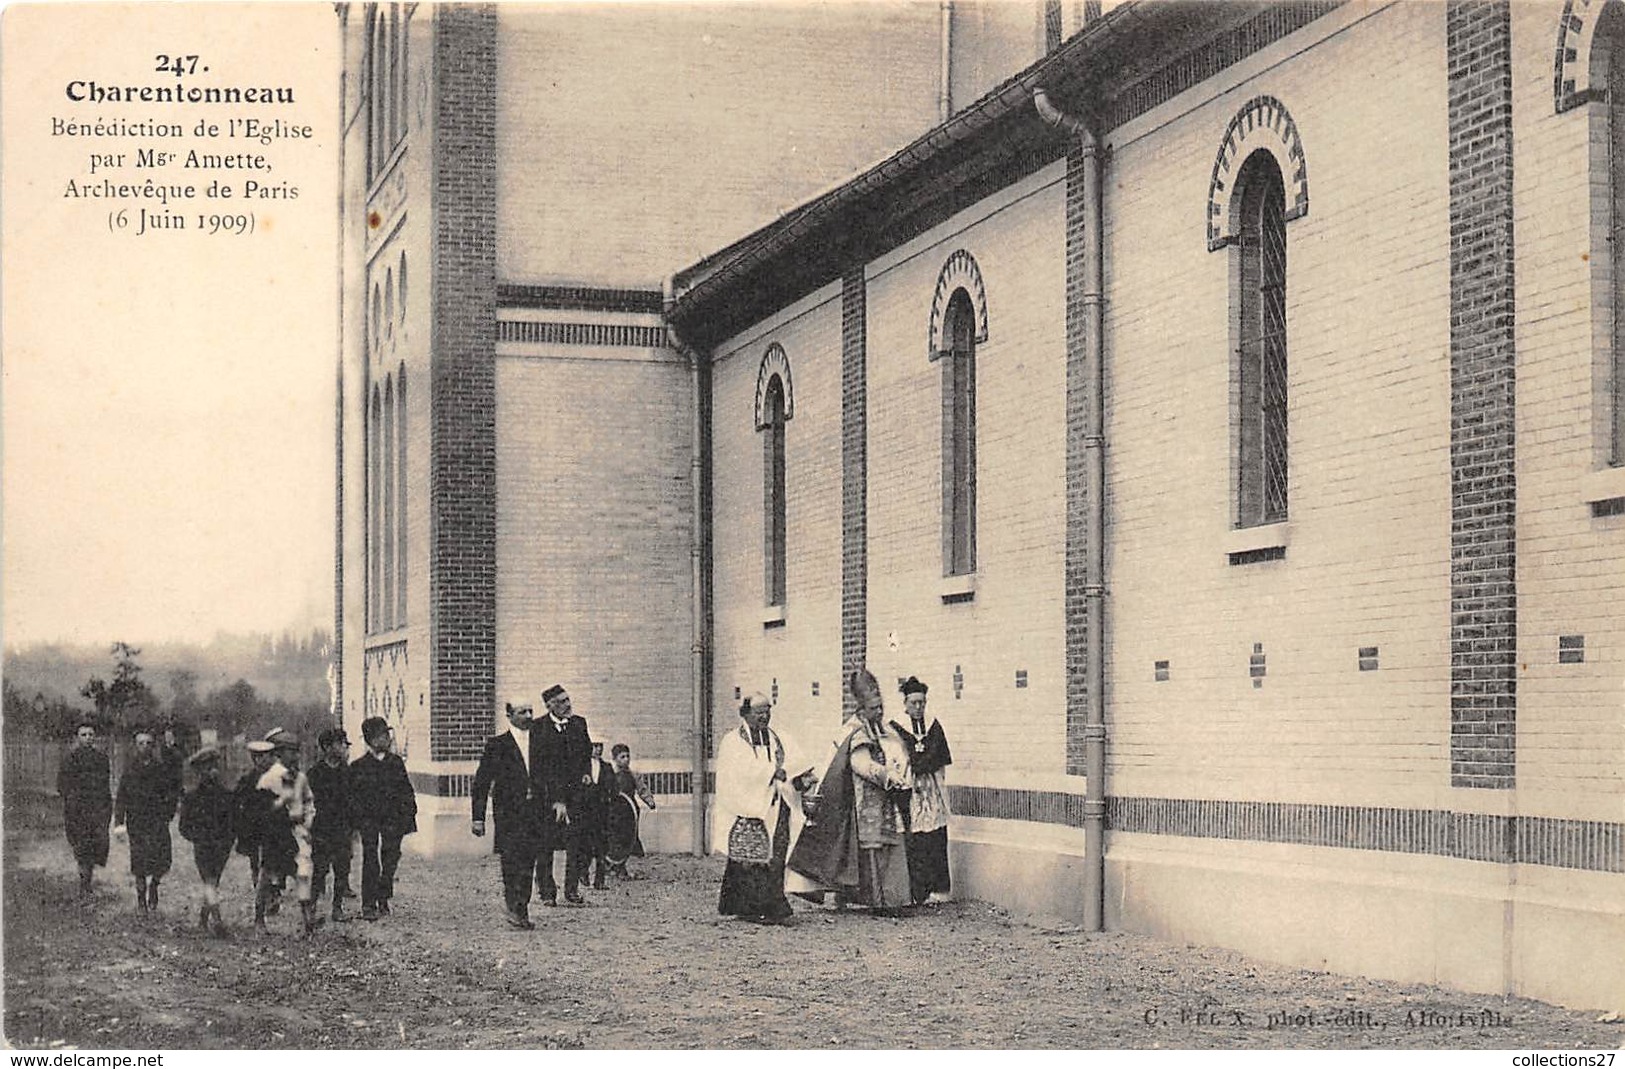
647,963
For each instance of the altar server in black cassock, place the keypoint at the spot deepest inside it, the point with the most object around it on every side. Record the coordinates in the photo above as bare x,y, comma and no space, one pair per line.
928,804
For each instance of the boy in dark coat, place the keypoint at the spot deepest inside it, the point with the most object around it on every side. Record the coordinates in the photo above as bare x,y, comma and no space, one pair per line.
597,792
253,809
209,823
85,782
330,831
143,807
383,810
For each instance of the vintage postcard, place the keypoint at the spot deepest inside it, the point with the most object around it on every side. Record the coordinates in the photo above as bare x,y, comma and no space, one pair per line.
1015,524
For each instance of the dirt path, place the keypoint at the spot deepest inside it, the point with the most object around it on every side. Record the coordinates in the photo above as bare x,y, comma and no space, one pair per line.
649,964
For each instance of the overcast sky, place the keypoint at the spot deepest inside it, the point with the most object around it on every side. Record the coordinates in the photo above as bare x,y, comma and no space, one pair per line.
168,399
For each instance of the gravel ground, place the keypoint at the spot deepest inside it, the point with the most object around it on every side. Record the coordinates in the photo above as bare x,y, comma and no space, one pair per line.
653,966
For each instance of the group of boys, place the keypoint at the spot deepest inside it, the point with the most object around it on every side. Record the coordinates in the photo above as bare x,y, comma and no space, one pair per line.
550,789
546,780
286,822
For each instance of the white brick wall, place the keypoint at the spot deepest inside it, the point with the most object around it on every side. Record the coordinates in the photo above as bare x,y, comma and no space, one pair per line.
999,733
594,519
807,649
1571,566
1369,396
679,128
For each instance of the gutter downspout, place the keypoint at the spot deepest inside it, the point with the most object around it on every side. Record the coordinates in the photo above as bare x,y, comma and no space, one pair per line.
336,685
1094,453
697,548
945,92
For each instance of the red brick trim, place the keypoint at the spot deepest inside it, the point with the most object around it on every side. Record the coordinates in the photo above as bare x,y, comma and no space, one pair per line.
579,298
1483,490
1595,846
854,478
462,390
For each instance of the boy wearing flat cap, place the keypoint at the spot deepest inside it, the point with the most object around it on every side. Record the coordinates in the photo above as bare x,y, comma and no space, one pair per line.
209,823
285,848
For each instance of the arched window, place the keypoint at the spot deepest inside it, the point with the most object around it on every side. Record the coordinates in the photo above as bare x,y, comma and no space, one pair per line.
401,560
392,84
774,508
401,308
400,75
1260,417
775,407
385,84
374,514
377,109
958,359
1608,68
387,619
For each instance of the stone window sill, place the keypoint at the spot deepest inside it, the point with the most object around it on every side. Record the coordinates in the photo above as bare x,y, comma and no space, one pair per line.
773,616
1605,485
956,588
1266,536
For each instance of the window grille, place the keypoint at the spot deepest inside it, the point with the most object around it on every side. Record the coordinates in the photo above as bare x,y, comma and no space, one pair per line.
959,437
1262,345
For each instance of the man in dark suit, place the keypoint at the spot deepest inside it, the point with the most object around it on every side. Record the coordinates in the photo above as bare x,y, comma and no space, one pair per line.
383,810
563,758
507,775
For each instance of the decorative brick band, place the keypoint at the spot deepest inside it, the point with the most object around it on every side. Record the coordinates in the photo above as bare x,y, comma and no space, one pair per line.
461,785
1077,477
1263,123
462,423
607,334
1483,592
579,298
1595,846
854,477
1211,58
960,271
774,363
1571,67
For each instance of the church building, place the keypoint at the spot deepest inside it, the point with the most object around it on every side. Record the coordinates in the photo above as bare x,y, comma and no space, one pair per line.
1220,406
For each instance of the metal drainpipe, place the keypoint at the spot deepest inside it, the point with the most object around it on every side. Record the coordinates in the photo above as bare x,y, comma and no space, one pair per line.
697,635
945,93
1094,452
